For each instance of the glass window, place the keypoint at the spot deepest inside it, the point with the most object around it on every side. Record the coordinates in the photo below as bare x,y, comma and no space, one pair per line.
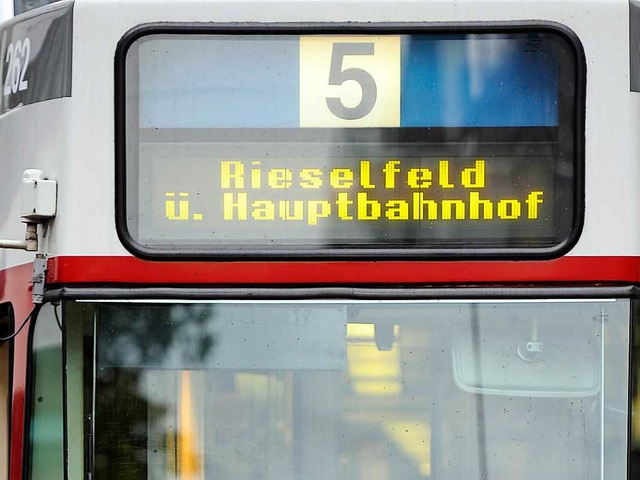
356,390
350,145
46,425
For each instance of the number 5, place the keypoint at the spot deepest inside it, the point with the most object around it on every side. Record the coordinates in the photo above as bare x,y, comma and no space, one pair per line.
337,76
349,81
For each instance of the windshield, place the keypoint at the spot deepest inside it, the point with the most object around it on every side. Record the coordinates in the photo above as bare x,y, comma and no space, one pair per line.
349,390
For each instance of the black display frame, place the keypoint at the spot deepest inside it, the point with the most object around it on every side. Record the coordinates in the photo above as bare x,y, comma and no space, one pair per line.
263,251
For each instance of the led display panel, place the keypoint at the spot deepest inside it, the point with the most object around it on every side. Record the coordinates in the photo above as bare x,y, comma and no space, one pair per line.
240,143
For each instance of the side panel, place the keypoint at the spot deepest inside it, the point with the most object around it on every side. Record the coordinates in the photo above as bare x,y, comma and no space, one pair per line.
15,288
32,136
35,83
35,79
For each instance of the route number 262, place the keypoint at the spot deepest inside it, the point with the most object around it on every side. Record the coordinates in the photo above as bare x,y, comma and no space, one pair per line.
16,64
350,81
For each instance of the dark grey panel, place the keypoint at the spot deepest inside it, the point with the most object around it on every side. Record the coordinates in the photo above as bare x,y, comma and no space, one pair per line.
35,60
21,6
634,44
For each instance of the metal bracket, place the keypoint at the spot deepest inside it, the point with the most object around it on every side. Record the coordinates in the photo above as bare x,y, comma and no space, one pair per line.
39,278
30,243
39,203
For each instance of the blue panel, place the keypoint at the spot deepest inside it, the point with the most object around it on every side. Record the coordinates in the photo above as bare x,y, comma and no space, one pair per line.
220,82
478,82
252,82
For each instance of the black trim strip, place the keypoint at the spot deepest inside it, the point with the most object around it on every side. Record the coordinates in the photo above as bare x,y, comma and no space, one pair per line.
6,311
632,460
447,252
295,293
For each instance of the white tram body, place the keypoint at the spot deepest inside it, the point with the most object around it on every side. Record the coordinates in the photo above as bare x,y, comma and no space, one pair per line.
72,138
66,70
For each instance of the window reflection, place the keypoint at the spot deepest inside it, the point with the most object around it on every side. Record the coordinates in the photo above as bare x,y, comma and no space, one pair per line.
359,390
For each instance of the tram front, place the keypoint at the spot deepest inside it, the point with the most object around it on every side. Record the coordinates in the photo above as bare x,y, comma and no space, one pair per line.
341,250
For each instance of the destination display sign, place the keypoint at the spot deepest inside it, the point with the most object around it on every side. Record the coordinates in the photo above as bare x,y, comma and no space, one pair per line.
272,146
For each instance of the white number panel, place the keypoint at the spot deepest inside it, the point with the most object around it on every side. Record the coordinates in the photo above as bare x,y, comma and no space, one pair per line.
16,65
350,81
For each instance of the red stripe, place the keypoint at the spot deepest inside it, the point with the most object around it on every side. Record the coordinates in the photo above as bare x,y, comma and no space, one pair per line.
15,287
69,270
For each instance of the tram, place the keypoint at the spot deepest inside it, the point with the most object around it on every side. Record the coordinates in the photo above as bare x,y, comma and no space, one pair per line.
319,240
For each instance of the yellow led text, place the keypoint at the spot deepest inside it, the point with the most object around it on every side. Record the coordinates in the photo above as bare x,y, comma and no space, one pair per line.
179,210
393,192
